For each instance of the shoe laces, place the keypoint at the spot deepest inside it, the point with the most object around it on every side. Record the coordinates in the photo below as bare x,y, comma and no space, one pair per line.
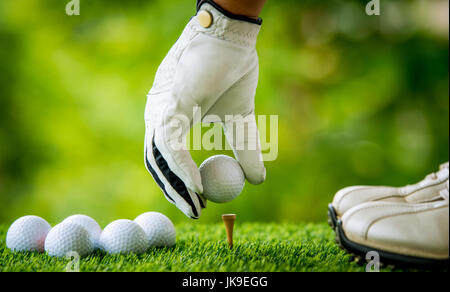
444,193
435,177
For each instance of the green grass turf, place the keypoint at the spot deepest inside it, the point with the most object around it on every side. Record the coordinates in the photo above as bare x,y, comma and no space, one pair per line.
258,247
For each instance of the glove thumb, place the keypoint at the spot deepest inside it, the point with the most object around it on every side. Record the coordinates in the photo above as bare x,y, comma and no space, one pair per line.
243,137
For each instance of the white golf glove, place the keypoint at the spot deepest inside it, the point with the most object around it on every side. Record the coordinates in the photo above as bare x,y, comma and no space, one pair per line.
213,67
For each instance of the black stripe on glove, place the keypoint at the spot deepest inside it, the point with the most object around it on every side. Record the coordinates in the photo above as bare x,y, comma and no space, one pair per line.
176,183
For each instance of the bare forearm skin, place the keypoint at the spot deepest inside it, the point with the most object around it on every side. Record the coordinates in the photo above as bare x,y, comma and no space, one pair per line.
249,8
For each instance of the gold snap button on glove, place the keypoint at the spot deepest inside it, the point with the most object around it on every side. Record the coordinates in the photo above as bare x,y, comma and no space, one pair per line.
205,18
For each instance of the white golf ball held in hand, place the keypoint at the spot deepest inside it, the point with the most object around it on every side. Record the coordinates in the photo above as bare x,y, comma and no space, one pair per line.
222,178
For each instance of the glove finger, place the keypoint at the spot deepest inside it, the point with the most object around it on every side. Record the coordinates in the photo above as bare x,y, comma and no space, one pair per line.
242,135
170,140
174,189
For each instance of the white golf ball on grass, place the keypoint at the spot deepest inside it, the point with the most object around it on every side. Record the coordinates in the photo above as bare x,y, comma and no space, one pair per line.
159,230
222,178
27,233
68,237
123,236
89,224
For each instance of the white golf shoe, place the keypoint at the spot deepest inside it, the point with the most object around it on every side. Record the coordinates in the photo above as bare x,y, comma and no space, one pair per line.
412,234
424,191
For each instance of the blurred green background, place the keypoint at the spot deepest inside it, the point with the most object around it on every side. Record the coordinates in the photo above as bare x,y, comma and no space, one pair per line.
360,100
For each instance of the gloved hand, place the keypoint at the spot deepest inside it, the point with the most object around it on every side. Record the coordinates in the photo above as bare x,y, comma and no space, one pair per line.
213,66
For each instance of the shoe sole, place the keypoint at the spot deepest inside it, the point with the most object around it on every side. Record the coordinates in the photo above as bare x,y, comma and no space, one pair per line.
332,218
386,258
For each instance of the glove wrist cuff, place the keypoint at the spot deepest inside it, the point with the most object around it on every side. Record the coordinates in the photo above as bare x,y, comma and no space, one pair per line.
228,14
223,27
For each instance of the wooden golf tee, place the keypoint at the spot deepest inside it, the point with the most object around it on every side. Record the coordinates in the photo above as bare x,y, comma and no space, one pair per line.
229,219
